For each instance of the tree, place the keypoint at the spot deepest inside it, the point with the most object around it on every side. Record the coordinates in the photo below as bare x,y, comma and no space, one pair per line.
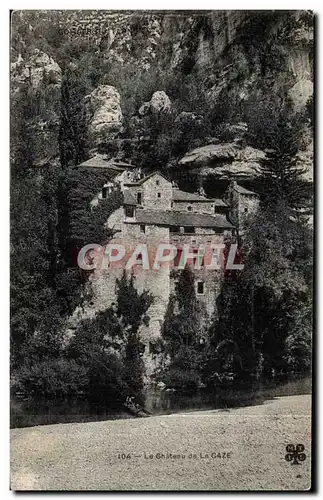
35,312
278,268
131,309
181,332
281,178
72,135
183,319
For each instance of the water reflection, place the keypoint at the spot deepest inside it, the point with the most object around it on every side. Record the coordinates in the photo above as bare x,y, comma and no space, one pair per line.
157,401
161,401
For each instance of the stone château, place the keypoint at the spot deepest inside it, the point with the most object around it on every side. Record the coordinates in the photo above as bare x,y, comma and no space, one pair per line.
155,210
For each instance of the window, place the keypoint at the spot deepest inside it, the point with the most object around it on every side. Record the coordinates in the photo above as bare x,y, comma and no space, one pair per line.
129,211
177,257
174,229
189,208
246,210
157,182
104,192
142,228
139,198
189,229
159,195
200,287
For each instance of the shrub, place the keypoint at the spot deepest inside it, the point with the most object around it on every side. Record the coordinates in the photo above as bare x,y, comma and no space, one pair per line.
106,384
52,379
182,380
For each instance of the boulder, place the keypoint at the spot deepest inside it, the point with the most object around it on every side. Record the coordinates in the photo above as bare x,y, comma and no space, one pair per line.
224,161
246,163
144,109
104,113
205,155
160,102
38,69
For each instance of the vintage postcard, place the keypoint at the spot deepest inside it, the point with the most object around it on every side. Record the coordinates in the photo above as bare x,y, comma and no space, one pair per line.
162,220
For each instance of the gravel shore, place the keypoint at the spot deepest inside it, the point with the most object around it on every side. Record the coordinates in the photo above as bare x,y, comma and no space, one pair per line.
235,449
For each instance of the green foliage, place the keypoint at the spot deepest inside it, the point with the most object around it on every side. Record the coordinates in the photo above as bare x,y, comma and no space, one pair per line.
72,136
278,253
281,177
131,309
298,344
182,330
131,306
182,324
52,379
86,223
34,308
182,380
96,335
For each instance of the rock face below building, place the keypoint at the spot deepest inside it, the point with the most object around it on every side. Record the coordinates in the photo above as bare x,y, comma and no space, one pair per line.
104,113
223,161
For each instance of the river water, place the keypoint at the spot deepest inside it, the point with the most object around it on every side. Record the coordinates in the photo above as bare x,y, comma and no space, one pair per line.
157,401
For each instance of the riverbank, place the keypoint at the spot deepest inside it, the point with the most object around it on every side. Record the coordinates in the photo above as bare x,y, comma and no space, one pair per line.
242,448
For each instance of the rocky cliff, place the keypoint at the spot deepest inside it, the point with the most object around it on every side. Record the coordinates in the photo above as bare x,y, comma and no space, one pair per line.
239,59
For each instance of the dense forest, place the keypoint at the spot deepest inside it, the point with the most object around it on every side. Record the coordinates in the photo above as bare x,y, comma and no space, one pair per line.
263,323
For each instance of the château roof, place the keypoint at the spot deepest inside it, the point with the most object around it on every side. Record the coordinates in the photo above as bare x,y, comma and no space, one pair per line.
179,195
144,179
164,218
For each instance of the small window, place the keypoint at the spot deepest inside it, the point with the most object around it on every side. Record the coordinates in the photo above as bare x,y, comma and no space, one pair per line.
139,198
189,208
104,192
189,229
200,287
159,195
157,182
129,211
174,229
177,257
246,210
142,228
